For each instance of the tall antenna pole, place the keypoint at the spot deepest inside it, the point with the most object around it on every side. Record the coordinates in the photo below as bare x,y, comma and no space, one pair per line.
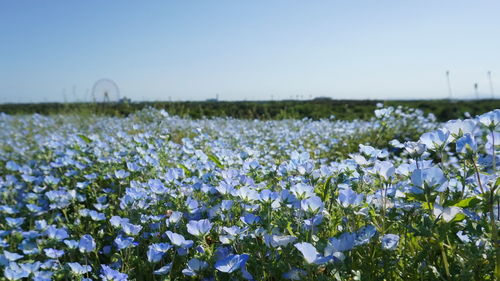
475,90
64,95
73,91
449,84
491,85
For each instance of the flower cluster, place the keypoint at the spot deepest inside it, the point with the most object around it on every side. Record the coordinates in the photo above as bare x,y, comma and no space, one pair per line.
153,196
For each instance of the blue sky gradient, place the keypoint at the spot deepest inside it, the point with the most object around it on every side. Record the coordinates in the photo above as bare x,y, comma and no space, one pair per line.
248,50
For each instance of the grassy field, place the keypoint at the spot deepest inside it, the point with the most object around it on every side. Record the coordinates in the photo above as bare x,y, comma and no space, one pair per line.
287,109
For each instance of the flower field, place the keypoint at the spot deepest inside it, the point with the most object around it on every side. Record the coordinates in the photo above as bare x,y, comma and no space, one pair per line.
158,197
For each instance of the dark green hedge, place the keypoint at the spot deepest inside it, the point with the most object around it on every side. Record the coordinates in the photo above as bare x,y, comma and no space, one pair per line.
315,109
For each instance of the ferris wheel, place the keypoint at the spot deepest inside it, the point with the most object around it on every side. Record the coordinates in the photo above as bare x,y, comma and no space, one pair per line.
106,90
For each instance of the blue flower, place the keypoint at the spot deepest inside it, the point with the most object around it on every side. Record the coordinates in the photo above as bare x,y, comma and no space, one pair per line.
268,196
231,263
59,199
179,240
385,169
96,216
248,194
174,218
40,224
348,197
109,274
463,236
446,213
86,244
302,191
14,222
276,241
435,140
56,233
72,244
194,265
12,256
79,269
12,166
250,219
15,272
295,274
131,229
157,186
312,204
53,253
192,205
466,144
490,119
310,223
133,167
364,235
461,127
121,174
163,270
433,177
234,230
226,205
389,241
117,221
31,267
344,242
122,242
156,251
43,276
28,247
310,253
199,228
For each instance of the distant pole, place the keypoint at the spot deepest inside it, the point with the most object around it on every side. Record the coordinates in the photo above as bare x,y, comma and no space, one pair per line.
449,84
475,90
491,85
64,95
73,91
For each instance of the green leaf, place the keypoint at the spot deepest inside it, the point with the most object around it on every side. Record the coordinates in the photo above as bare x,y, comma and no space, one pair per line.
458,217
427,206
215,160
85,138
289,228
186,170
325,188
415,197
468,202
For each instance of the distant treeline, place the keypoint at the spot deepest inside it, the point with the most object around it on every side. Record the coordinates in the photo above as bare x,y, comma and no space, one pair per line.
298,109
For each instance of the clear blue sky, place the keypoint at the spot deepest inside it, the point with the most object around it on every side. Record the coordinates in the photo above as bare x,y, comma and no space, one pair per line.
193,50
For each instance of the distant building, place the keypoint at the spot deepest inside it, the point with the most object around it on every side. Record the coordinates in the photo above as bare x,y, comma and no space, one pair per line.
124,100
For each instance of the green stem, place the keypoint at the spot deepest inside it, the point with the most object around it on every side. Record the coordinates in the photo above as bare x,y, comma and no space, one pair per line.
494,234
445,261
478,175
493,152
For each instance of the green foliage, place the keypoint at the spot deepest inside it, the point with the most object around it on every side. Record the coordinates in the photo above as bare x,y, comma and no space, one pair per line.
288,109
